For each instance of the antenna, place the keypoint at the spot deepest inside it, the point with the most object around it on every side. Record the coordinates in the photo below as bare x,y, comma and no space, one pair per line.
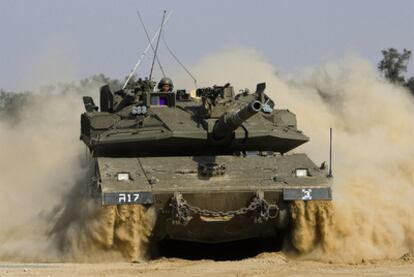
134,69
330,153
156,46
179,62
150,43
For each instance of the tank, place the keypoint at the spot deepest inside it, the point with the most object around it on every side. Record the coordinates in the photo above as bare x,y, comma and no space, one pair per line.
214,165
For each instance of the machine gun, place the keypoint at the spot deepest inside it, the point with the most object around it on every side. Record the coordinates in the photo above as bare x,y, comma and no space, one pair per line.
211,92
215,99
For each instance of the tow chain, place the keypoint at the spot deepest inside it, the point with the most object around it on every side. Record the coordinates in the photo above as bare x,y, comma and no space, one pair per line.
183,212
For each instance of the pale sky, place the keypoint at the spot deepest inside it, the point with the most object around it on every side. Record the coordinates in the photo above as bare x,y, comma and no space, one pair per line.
43,40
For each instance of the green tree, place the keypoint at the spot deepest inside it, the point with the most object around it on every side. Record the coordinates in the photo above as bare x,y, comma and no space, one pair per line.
410,84
394,64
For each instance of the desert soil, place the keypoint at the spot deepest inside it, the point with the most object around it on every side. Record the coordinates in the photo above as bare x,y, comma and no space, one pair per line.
266,264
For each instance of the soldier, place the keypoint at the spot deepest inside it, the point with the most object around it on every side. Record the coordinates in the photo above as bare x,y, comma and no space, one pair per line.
165,85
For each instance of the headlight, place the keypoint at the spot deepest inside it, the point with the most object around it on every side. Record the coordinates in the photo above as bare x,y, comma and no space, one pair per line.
123,176
301,172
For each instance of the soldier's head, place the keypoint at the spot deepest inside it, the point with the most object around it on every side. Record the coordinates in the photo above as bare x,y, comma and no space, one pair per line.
165,84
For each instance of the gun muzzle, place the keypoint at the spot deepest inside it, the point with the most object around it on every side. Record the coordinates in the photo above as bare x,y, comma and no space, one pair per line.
229,122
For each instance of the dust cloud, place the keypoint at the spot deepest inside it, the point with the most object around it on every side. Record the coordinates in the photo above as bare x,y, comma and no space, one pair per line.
45,218
39,163
109,233
313,222
44,213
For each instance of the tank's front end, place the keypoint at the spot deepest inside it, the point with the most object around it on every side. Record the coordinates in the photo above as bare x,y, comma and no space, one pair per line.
213,199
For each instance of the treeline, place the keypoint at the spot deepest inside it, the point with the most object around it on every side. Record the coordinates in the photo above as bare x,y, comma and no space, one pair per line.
393,66
12,102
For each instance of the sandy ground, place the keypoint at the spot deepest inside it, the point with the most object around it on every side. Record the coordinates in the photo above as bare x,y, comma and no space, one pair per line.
266,264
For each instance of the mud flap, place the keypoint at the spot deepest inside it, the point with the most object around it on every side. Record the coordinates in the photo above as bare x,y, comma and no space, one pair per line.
307,194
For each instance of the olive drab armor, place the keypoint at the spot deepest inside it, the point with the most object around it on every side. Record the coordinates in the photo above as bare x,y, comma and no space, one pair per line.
214,164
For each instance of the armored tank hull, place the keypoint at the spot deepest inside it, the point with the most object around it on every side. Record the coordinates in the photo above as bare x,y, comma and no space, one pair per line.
212,199
213,167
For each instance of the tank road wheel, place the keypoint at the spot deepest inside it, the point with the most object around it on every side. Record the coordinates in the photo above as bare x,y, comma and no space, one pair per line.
311,225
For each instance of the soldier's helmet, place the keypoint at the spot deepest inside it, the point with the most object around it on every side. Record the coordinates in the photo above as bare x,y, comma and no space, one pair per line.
165,81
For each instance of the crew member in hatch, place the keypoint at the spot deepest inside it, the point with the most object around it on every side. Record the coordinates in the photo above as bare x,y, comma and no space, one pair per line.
165,85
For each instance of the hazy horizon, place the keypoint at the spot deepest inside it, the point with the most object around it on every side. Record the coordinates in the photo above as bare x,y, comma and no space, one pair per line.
49,41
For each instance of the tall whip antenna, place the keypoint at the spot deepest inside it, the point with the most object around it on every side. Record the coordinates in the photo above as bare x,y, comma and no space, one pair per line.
134,69
149,40
330,153
156,46
179,62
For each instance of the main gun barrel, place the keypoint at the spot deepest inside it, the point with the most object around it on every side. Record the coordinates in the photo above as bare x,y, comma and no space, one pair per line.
229,122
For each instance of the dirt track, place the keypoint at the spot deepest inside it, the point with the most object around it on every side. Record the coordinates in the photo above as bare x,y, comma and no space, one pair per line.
267,264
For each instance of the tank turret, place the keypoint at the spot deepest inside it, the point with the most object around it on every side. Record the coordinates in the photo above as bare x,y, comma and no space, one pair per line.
138,121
